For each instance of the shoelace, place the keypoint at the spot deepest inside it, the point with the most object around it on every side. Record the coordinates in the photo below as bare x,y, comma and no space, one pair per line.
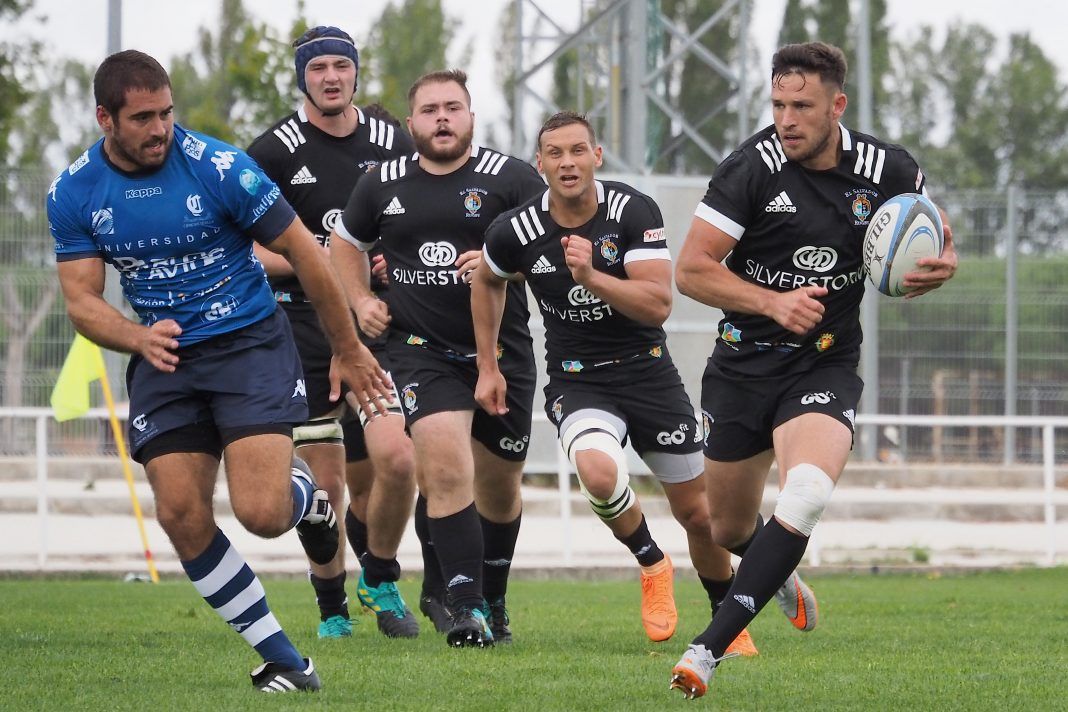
659,601
391,601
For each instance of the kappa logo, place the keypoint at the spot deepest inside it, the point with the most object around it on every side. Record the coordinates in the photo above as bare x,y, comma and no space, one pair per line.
747,602
140,422
543,266
781,204
459,579
223,161
300,390
303,177
394,207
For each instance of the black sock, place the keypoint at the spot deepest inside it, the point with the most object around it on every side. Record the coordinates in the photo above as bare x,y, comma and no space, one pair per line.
376,570
461,559
330,595
432,582
641,544
498,541
716,590
771,558
356,531
740,549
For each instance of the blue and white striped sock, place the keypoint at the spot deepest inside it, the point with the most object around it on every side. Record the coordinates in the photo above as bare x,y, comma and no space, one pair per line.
303,486
226,582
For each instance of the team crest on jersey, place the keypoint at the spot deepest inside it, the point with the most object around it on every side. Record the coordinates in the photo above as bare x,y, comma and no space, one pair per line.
414,340
409,397
608,248
731,334
825,342
558,408
194,204
706,424
656,351
473,201
860,204
571,366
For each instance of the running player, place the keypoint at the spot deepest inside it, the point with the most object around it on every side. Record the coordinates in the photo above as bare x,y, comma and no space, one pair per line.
787,211
595,256
315,155
429,213
214,370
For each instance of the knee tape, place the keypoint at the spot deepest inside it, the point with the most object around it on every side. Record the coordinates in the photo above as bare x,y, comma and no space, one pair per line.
804,497
594,434
321,430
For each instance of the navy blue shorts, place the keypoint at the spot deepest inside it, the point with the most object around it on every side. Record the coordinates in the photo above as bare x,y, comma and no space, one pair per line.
431,382
315,354
243,383
741,412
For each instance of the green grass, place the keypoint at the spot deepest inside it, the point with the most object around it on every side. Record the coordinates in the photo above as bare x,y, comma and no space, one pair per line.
990,641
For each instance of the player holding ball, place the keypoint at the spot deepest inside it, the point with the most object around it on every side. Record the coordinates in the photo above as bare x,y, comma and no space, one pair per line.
777,244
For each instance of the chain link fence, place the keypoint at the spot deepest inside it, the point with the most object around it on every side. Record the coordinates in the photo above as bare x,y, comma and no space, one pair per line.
994,341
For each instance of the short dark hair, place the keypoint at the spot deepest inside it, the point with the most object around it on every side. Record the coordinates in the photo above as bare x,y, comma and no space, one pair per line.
440,77
819,58
566,118
122,71
377,111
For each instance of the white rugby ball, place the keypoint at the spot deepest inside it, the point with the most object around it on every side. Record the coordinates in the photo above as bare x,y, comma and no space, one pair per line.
905,229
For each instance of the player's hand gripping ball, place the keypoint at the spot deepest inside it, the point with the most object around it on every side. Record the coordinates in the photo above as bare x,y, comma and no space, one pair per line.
905,229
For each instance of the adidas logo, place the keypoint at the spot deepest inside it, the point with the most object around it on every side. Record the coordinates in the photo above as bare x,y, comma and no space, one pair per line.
394,207
781,204
459,579
303,177
747,602
542,266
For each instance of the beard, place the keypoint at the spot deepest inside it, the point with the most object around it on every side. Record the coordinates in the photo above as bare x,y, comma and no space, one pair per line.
135,154
818,146
424,144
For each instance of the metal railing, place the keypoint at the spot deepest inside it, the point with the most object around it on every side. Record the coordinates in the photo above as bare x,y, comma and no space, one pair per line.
564,473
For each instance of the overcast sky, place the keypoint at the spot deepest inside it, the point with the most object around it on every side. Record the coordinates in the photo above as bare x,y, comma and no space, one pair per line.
162,28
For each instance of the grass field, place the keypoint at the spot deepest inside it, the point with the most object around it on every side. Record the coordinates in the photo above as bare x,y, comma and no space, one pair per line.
990,641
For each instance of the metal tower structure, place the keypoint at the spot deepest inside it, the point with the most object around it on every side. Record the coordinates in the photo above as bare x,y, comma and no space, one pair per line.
623,53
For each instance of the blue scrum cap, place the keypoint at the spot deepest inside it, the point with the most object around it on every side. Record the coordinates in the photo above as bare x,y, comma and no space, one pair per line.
319,41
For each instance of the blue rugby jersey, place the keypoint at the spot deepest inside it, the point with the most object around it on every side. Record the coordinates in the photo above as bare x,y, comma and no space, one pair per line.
179,235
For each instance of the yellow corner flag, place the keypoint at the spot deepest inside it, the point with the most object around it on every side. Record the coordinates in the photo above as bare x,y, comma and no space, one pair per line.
70,399
84,364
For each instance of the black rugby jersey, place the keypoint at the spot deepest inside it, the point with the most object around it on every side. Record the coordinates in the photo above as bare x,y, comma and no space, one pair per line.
317,172
581,331
423,222
798,227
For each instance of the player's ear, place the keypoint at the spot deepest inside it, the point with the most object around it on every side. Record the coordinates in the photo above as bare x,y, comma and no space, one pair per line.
537,156
598,154
840,102
103,119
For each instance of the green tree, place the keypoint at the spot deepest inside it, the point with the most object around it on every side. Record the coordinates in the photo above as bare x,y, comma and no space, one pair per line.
392,65
794,27
239,79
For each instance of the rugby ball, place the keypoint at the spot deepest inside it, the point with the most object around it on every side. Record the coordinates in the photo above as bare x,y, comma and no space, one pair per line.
905,229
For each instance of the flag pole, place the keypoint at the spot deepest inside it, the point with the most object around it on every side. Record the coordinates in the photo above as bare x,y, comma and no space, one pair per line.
120,441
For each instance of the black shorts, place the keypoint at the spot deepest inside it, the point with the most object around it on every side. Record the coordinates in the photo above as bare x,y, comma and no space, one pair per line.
315,354
244,382
433,382
741,412
646,402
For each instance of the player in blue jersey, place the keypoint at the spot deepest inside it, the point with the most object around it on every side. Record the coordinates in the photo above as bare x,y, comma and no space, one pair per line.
214,371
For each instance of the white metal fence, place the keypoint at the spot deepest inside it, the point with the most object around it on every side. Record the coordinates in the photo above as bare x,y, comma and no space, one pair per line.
551,460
